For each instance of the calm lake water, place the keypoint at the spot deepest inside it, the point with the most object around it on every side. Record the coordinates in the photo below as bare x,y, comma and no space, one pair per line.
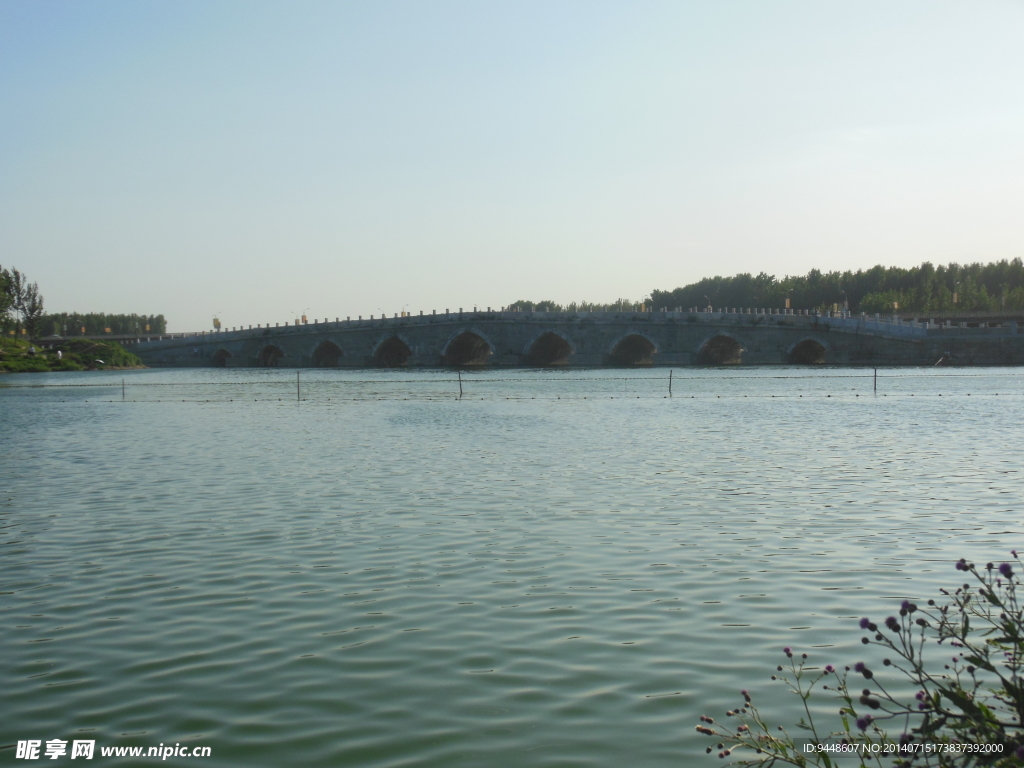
560,568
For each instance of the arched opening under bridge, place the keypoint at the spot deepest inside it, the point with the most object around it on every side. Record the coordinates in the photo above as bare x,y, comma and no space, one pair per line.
720,350
220,358
807,352
549,349
327,355
633,350
269,356
392,353
467,349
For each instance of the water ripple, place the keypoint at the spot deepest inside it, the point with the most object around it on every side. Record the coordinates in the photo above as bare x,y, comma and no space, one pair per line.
383,575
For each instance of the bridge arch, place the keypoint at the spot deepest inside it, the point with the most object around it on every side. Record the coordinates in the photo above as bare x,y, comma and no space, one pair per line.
391,352
720,349
327,355
549,348
467,347
807,351
220,358
269,356
634,348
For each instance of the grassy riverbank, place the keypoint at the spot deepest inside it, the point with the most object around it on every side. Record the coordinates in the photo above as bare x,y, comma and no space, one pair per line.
76,355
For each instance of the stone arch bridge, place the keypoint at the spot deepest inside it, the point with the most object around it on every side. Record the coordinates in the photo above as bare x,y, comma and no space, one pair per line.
540,339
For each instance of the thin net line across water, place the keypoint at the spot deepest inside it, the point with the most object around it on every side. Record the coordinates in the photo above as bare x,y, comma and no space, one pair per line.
289,381
477,396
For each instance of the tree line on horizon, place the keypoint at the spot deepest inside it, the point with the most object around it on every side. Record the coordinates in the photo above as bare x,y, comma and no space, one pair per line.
619,305
98,323
995,286
927,288
21,308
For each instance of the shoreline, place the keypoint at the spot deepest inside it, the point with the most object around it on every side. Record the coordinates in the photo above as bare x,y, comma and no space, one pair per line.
24,356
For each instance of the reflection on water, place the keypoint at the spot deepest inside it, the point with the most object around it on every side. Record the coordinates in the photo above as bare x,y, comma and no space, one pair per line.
562,567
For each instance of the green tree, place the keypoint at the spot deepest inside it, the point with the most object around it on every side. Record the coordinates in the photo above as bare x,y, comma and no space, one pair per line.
20,298
6,297
31,308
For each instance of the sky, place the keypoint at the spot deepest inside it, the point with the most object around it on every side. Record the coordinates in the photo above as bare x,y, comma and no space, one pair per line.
261,160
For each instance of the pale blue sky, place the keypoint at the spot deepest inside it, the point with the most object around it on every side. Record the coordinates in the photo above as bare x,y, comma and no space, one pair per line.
259,160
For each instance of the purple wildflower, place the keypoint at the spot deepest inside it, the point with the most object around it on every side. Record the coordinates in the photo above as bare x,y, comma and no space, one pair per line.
1006,570
788,651
864,622
829,668
862,668
864,722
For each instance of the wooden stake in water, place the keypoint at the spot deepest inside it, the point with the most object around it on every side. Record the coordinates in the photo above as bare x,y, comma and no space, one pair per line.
122,390
460,383
876,379
298,388
670,382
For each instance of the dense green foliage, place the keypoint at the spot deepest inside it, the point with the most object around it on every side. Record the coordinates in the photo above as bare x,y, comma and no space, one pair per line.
6,293
96,323
16,356
622,305
21,303
995,286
